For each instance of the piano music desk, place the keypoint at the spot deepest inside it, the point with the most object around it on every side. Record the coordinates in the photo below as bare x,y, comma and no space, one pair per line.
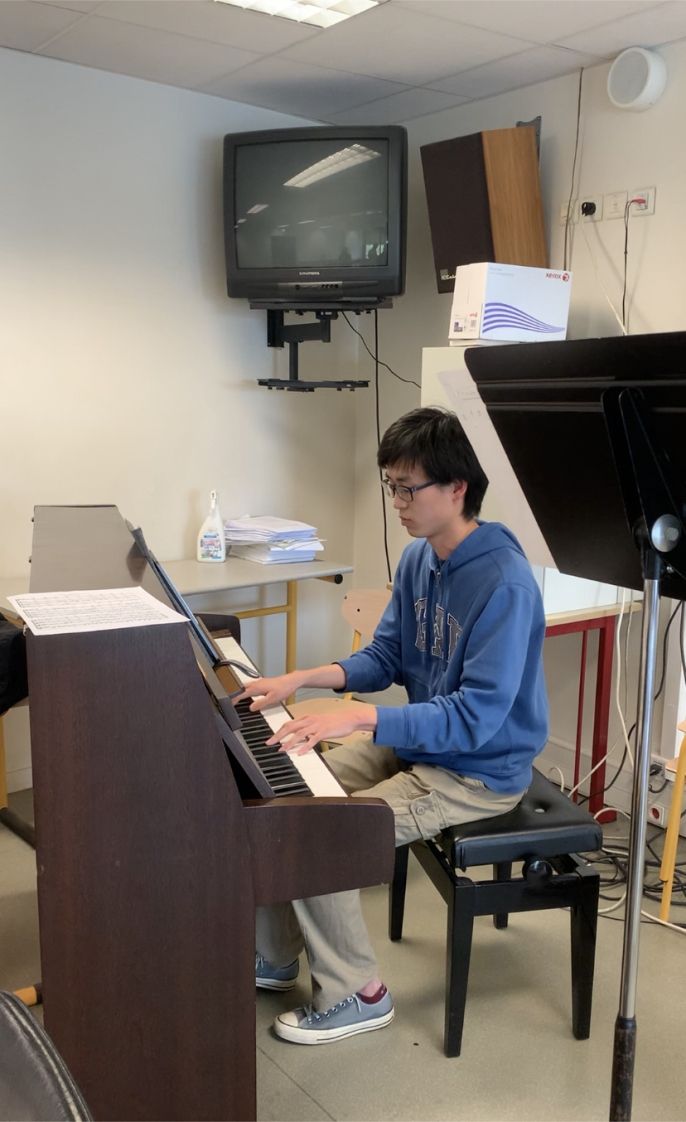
194,578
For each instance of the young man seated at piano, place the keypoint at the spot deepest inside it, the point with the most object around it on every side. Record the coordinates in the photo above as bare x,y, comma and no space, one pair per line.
463,634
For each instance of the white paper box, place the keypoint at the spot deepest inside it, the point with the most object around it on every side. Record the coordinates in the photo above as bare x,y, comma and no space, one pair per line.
509,302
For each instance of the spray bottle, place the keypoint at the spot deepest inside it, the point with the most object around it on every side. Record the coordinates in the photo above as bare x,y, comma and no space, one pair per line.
211,539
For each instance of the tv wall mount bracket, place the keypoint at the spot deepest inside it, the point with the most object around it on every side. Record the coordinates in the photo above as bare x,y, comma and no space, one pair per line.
318,329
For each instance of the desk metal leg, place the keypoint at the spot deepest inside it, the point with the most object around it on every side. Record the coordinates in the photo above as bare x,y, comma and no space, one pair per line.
605,626
601,719
672,834
290,610
3,767
580,714
12,821
291,625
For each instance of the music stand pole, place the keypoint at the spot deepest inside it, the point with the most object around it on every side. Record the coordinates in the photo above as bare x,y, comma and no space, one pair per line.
654,505
625,1024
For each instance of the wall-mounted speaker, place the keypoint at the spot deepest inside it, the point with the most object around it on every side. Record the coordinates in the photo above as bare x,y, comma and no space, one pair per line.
637,79
484,199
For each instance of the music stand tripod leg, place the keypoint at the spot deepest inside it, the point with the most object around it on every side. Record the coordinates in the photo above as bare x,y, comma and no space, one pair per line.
625,1024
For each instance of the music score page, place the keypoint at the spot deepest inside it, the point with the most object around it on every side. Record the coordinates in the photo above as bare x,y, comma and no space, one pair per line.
104,609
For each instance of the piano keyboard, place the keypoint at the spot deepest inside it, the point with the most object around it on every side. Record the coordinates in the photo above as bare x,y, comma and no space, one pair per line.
287,774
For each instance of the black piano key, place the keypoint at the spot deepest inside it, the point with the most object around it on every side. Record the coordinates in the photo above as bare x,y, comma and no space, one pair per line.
276,766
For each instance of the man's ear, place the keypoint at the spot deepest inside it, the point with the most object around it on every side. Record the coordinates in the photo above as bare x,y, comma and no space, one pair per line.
459,489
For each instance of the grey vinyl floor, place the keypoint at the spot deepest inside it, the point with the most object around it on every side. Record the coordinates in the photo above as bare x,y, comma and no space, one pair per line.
519,1059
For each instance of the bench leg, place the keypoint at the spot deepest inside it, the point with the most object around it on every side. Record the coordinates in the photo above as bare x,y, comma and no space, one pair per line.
501,871
396,895
459,948
584,922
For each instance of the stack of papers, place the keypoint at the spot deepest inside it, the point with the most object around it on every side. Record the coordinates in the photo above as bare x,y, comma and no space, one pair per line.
270,540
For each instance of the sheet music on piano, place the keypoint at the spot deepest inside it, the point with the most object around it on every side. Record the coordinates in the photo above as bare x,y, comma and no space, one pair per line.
271,772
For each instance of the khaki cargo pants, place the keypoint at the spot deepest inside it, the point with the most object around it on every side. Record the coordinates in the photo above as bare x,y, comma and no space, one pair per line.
331,929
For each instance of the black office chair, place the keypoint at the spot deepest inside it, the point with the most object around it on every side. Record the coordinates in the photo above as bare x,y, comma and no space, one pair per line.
546,832
35,1085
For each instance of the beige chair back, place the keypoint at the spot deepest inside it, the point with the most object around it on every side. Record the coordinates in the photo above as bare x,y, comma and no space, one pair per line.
362,609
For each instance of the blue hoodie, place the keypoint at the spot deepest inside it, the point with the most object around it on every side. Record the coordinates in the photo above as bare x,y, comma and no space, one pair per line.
464,637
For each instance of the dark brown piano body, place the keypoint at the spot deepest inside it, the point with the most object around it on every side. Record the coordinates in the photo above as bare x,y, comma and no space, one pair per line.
149,864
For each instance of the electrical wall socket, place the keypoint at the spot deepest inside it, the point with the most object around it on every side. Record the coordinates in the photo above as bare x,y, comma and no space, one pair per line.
614,204
657,767
657,814
647,193
597,202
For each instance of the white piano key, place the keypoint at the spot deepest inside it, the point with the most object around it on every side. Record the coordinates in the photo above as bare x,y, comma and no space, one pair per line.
315,773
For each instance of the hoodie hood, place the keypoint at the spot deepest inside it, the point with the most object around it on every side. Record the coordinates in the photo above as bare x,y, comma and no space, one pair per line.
487,538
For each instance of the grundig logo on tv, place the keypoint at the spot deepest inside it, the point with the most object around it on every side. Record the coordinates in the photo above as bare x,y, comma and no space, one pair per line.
309,273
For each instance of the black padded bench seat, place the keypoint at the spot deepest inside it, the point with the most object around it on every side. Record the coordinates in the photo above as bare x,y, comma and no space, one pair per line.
544,824
546,832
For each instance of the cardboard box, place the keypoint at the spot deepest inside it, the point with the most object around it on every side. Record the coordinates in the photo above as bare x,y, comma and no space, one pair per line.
509,302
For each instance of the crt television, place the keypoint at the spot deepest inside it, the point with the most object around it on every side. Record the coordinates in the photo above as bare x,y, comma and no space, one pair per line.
317,215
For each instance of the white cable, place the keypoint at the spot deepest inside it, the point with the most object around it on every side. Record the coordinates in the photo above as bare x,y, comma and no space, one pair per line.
554,767
610,750
617,811
595,767
663,922
618,653
605,911
600,283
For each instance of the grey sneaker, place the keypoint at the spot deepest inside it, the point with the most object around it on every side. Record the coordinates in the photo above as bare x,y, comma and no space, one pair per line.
346,1018
268,977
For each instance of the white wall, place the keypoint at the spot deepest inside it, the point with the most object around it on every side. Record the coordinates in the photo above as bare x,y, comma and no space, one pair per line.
618,150
128,375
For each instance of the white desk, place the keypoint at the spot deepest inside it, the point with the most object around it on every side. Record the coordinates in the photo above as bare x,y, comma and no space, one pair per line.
194,578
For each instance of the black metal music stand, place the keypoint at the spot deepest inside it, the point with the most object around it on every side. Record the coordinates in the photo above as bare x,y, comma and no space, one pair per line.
594,430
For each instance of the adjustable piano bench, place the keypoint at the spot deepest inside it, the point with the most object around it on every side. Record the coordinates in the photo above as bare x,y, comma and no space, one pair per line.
546,832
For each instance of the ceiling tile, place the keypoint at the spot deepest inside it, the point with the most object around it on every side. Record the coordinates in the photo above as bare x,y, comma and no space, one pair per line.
403,45
204,19
540,21
662,24
26,26
400,107
309,91
143,53
536,65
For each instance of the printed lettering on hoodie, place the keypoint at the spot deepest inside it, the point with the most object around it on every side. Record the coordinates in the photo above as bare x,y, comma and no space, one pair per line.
438,629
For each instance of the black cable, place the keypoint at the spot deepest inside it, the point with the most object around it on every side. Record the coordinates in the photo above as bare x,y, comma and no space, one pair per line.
377,360
627,211
377,363
626,260
617,859
378,434
576,152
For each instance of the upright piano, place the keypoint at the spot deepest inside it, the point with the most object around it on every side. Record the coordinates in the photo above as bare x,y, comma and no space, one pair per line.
159,828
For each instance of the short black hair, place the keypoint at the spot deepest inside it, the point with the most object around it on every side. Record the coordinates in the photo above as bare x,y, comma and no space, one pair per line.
434,440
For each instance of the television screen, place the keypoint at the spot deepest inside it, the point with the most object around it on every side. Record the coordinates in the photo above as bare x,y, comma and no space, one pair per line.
315,214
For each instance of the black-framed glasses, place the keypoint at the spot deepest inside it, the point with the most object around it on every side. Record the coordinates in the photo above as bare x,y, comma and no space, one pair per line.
405,494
